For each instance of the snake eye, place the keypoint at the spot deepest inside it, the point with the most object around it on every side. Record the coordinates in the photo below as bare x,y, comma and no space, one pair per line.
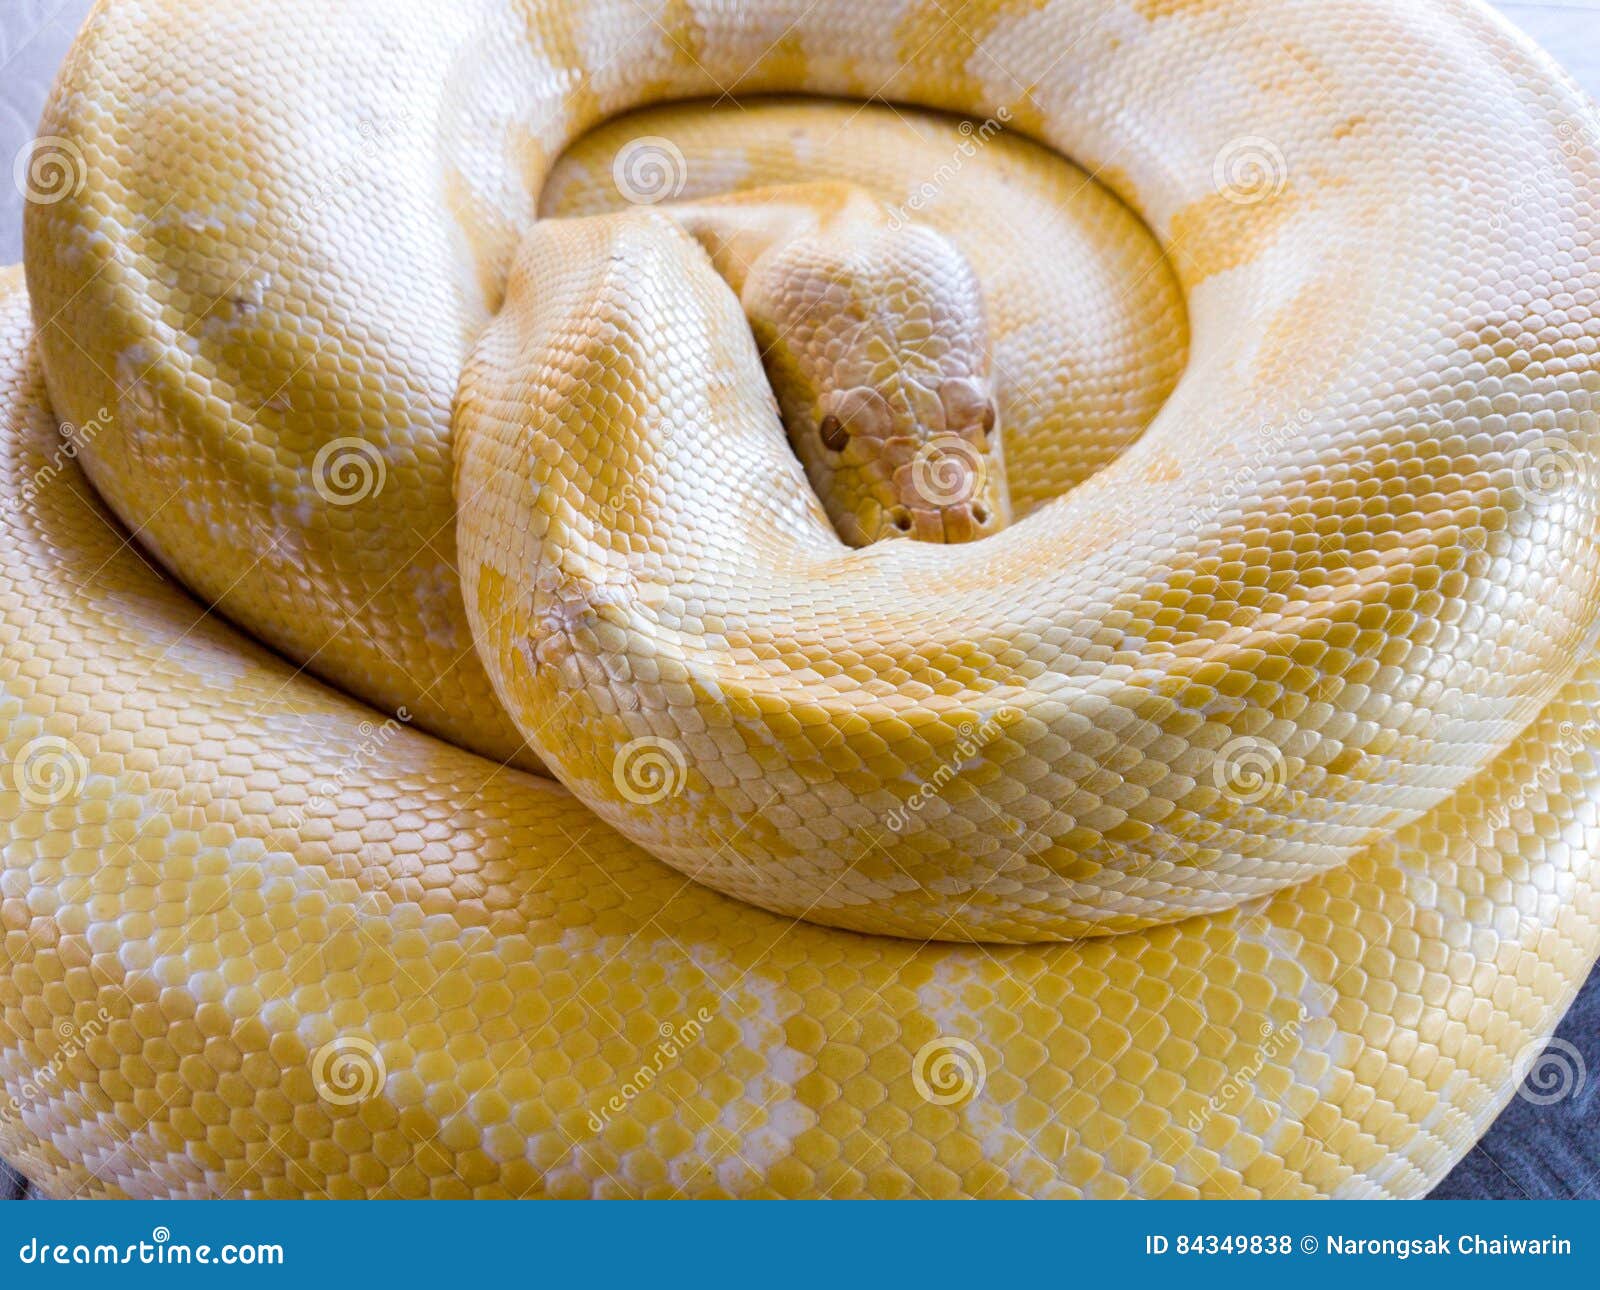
967,402
848,413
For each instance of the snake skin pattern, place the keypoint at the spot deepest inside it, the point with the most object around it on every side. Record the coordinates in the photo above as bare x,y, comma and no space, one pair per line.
1224,826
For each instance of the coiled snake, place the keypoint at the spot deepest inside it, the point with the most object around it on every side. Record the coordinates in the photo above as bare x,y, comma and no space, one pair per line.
1223,823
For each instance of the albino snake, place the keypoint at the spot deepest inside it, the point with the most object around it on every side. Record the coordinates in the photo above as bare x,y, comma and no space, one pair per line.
1223,823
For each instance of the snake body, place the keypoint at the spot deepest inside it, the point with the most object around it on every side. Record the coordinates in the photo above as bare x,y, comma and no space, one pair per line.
1223,824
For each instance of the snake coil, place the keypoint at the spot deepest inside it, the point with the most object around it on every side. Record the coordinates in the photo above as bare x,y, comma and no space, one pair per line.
1225,824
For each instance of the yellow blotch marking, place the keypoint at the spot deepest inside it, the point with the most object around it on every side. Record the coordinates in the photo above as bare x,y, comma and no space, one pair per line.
1154,10
1213,234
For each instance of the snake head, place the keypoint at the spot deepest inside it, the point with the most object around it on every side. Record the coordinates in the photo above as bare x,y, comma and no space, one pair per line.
921,460
876,342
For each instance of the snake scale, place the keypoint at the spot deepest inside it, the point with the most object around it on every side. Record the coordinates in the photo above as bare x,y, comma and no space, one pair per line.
457,745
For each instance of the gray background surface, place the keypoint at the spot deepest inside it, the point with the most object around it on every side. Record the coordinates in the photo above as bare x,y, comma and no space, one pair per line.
1534,1149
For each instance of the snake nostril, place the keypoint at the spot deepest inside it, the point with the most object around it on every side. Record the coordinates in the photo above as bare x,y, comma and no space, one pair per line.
980,514
901,519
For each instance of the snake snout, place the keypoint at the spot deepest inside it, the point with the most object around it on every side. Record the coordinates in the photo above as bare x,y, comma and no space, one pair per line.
951,523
